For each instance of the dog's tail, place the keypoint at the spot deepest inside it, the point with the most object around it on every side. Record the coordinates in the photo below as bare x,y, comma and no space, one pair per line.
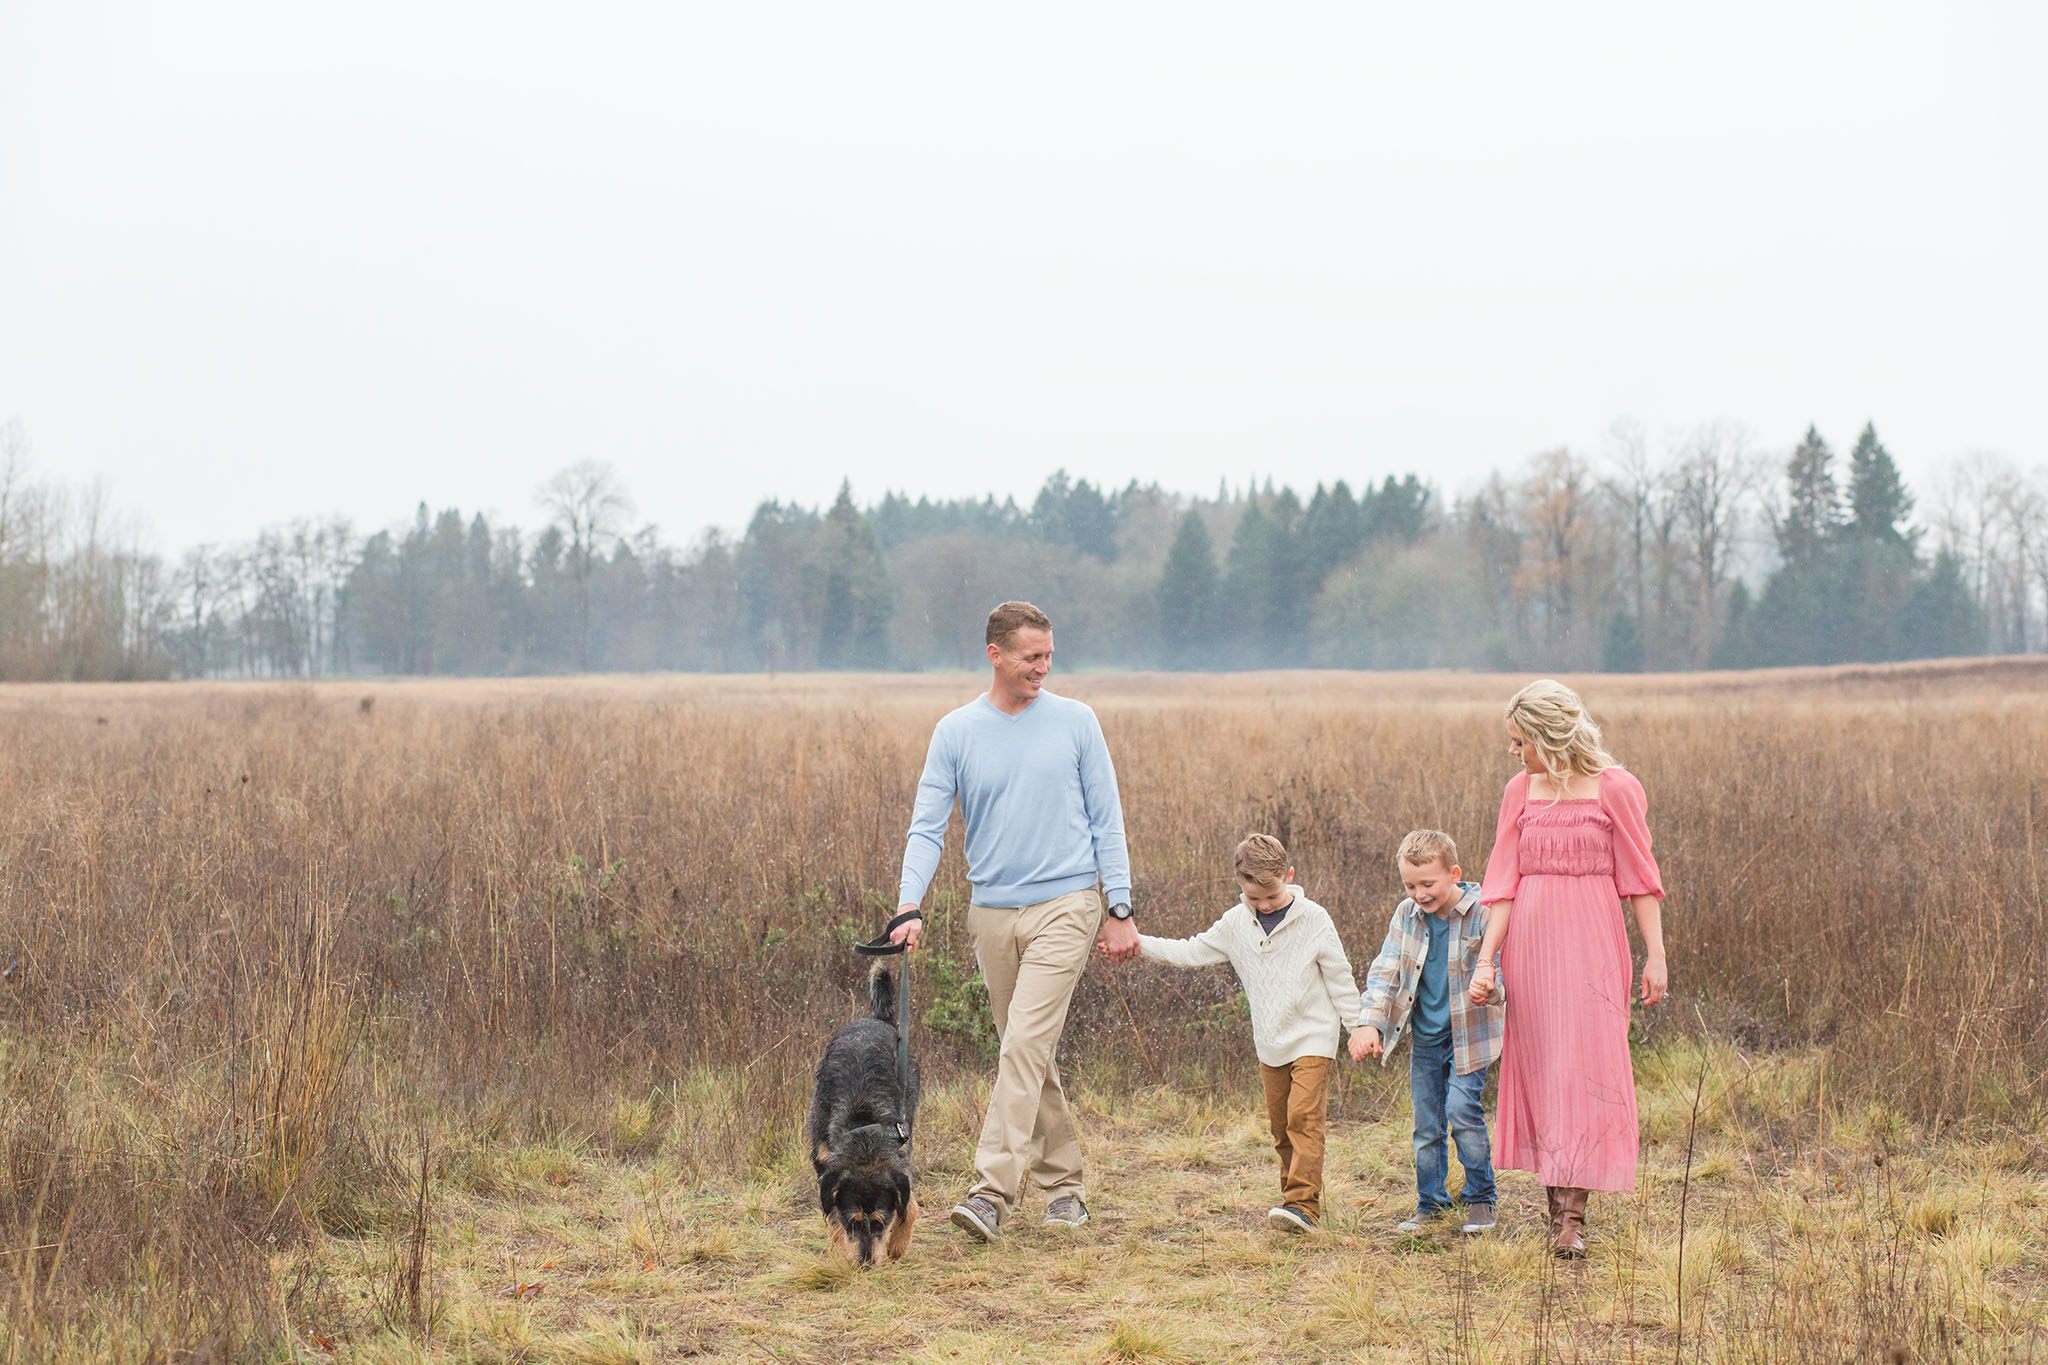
882,994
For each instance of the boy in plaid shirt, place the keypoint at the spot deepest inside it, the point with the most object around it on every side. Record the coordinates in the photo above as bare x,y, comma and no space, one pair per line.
1422,976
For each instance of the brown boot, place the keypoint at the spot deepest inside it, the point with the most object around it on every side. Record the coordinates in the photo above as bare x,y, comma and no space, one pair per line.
1568,1238
1550,1193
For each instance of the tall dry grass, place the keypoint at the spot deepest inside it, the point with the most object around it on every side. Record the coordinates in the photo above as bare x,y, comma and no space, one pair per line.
253,936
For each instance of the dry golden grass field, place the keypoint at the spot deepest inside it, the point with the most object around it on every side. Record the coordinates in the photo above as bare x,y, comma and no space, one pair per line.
474,1021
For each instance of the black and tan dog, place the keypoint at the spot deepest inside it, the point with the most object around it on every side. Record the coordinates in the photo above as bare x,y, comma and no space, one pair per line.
861,1116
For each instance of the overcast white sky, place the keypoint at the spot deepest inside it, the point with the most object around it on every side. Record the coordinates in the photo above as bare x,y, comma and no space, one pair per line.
263,260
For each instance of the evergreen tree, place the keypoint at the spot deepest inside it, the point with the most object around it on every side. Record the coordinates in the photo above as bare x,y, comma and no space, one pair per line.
511,604
469,636
1247,588
1077,515
1049,508
894,518
1800,617
1187,596
1875,558
1847,607
551,640
853,629
1814,505
444,564
1845,588
1736,648
1941,620
375,623
1333,528
781,590
1797,620
1091,522
1291,590
416,596
1397,509
1872,592
1622,652
1878,501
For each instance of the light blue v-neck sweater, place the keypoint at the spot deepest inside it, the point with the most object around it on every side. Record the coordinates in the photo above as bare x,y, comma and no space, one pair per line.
1038,794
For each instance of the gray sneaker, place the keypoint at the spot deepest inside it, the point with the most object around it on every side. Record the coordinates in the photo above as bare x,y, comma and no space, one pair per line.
1415,1222
1292,1218
1067,1211
1478,1218
978,1217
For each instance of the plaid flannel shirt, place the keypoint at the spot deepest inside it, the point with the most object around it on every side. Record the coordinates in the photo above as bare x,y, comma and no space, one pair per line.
1391,983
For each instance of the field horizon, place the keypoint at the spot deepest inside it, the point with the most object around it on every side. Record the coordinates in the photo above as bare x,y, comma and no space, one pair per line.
2003,668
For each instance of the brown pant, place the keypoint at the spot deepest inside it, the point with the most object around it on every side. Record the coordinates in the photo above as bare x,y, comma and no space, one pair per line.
1031,959
1296,1096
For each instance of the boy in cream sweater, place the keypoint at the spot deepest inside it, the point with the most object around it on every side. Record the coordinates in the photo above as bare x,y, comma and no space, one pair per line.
1298,982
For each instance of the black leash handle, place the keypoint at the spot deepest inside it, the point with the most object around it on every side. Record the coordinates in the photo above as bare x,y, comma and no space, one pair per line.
880,946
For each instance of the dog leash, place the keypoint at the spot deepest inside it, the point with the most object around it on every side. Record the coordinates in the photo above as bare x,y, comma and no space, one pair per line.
880,946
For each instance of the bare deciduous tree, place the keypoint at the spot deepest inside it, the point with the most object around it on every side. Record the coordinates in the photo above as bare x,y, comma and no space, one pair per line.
1965,512
589,503
1716,478
1559,513
2022,512
1633,488
1994,520
13,481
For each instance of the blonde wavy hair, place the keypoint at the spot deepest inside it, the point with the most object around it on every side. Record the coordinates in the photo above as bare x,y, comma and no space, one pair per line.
1553,719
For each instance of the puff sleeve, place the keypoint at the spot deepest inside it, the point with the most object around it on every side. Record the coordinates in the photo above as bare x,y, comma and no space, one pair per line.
1635,868
1504,864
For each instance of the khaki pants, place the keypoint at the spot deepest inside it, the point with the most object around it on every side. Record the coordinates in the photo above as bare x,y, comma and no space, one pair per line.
1031,959
1296,1095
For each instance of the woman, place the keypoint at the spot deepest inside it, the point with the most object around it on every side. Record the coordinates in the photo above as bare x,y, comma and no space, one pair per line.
1571,846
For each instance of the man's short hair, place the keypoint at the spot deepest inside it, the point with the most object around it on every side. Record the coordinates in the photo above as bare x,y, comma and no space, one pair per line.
1005,621
1262,858
1422,846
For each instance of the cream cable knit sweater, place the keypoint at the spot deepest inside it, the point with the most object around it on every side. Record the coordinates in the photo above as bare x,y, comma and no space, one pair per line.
1296,978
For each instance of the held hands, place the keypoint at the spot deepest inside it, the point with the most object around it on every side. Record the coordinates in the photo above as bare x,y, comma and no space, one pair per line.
907,932
1365,1042
1656,981
1482,983
1118,939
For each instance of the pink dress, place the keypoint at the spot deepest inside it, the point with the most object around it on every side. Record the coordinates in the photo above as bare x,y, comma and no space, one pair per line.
1567,1090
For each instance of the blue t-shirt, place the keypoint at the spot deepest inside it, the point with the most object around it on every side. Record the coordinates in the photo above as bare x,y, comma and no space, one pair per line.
1433,992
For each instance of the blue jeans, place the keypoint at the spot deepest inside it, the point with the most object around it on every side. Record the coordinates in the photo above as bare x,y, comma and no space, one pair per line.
1440,1096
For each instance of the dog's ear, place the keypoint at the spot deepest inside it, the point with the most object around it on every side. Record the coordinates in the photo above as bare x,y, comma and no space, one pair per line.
828,1191
899,1189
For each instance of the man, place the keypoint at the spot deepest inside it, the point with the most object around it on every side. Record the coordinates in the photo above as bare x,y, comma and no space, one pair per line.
1044,825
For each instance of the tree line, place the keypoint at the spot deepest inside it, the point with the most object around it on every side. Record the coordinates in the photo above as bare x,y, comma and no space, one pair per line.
1705,553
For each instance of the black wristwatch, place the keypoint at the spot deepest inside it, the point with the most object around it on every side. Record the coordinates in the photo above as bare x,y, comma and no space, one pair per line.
1121,910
